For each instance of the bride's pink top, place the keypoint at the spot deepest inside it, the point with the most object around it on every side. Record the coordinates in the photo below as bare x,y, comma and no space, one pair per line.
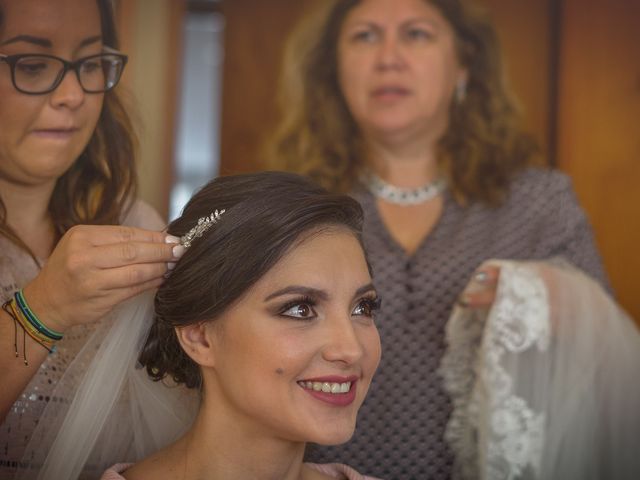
335,470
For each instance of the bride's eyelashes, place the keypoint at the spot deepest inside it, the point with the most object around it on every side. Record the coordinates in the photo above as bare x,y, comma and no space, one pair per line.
367,306
301,308
304,308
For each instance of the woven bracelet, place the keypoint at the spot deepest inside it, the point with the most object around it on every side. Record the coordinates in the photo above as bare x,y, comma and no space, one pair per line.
33,319
10,306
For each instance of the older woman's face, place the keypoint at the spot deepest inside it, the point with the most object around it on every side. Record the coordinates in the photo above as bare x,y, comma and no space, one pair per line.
42,135
398,67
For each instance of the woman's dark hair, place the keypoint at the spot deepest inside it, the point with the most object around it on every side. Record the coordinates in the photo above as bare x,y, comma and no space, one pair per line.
265,215
101,184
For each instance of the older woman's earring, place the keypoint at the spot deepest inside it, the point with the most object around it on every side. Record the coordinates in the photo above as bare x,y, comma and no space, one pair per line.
461,91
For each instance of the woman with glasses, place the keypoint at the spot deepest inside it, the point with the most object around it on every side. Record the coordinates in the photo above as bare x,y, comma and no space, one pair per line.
74,241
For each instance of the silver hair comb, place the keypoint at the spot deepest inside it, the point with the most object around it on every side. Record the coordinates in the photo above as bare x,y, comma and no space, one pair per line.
204,224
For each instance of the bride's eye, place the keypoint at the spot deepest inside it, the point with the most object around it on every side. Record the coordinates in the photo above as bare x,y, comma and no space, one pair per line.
366,307
299,308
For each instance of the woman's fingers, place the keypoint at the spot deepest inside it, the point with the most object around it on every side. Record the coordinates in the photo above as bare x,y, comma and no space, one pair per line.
93,268
117,245
129,277
477,299
481,291
129,253
96,235
81,256
122,294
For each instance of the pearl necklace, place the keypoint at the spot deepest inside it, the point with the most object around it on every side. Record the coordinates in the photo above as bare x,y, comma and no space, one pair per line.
401,196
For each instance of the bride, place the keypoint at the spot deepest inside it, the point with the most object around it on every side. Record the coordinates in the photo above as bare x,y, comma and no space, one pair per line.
272,305
263,331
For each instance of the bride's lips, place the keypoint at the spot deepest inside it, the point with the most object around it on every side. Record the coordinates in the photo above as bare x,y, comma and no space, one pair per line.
338,391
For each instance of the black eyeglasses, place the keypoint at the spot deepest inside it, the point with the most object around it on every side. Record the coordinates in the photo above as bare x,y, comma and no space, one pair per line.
36,74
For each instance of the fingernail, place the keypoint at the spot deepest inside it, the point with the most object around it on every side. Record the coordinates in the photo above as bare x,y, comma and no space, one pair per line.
171,265
178,250
480,277
171,239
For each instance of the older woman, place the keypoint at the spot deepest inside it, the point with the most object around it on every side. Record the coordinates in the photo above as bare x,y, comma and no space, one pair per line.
403,104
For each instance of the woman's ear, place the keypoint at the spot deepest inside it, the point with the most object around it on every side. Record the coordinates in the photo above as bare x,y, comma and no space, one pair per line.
195,340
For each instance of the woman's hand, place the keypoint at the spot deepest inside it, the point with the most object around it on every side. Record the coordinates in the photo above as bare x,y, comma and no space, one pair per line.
481,291
94,268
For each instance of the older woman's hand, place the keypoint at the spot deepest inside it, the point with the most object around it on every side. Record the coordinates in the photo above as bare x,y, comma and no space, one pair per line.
481,291
94,268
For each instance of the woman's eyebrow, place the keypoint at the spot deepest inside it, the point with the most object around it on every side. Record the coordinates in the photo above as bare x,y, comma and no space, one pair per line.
419,20
377,26
314,292
45,42
364,289
300,290
40,41
90,40
363,23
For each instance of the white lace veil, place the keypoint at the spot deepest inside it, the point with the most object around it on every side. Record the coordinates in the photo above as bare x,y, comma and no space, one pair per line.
545,384
117,414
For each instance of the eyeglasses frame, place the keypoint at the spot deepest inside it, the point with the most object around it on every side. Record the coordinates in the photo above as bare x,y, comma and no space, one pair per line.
12,60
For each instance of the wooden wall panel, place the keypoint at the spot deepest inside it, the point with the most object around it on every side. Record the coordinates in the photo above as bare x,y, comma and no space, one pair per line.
599,129
151,34
255,33
525,29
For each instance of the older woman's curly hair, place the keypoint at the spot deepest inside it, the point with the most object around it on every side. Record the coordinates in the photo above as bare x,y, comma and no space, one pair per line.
479,154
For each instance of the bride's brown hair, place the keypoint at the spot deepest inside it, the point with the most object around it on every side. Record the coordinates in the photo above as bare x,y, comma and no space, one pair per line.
265,215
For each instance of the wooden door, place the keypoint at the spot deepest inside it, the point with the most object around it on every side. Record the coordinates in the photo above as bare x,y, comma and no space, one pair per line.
255,34
151,34
526,30
599,129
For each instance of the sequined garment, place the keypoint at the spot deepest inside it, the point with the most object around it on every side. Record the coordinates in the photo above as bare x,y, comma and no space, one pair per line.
17,268
401,425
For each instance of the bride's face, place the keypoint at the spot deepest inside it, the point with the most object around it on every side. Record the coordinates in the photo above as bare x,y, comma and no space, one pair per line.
293,359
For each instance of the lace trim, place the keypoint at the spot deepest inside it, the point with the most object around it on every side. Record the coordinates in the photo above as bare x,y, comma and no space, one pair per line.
492,431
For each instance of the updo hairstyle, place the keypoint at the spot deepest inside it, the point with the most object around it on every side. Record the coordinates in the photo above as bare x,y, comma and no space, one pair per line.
265,214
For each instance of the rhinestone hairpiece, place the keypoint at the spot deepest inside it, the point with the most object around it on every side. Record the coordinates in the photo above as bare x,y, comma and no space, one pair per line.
204,224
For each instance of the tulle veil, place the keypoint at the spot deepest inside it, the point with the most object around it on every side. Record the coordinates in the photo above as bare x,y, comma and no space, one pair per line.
117,413
545,384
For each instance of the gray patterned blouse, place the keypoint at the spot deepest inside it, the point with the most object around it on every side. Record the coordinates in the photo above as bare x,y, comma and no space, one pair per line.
401,424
